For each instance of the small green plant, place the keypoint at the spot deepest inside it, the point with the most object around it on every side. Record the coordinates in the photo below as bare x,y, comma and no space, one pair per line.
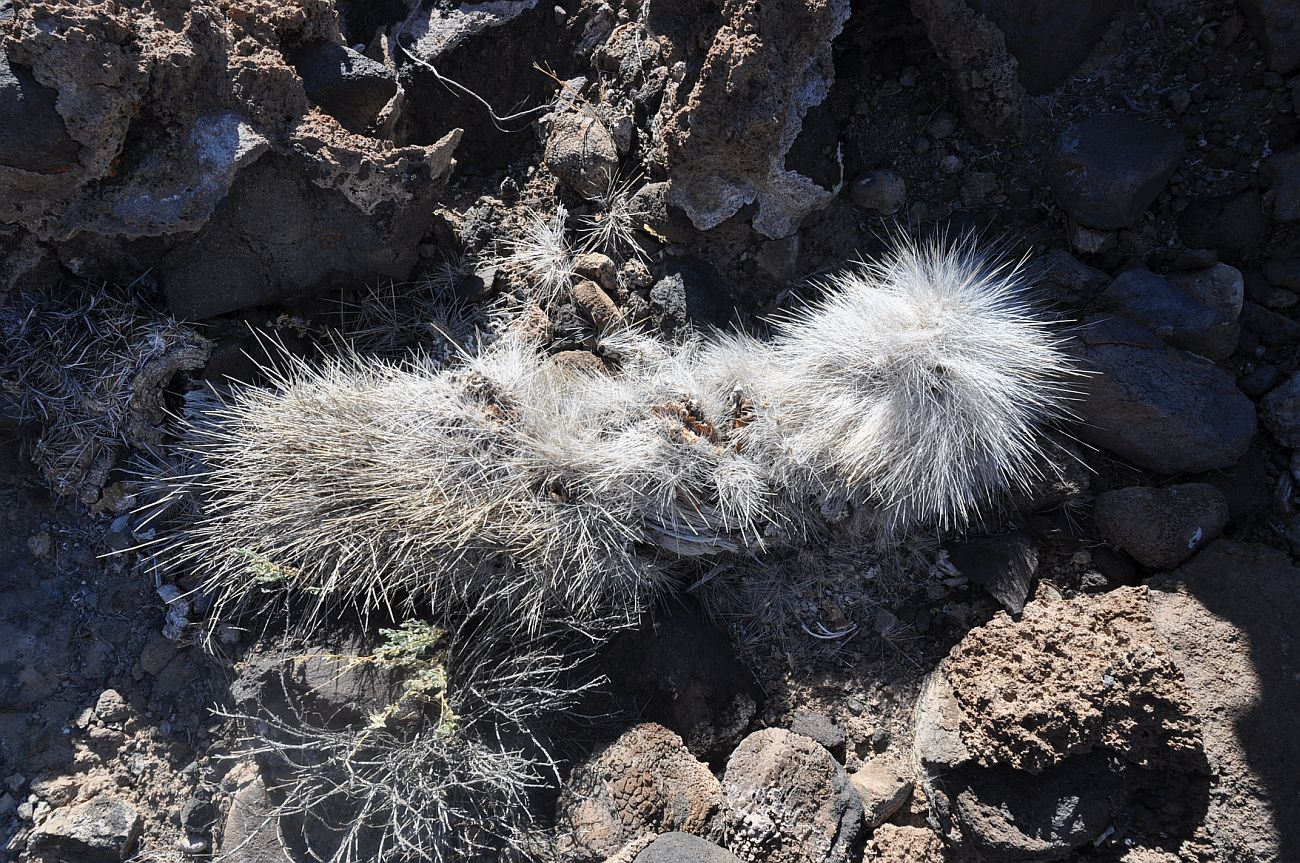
419,651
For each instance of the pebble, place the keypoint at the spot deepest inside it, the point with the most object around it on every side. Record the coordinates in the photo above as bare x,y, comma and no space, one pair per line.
1280,411
880,192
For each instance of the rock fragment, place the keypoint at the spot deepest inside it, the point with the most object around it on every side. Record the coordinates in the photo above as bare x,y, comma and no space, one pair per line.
1109,168
645,782
102,830
580,152
815,815
1161,408
1174,314
1281,412
1161,527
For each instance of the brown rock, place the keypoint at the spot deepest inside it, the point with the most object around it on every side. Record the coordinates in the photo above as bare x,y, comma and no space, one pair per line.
593,300
882,788
580,152
727,139
645,782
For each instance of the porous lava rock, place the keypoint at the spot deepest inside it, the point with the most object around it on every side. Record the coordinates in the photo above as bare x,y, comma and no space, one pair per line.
644,783
729,125
1034,736
786,800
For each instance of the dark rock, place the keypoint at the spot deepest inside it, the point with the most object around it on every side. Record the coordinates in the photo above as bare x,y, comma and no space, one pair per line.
1005,566
1246,488
198,814
666,221
816,816
1007,818
983,73
1276,24
1161,527
879,192
349,86
320,683
684,675
463,41
1234,225
277,235
1218,286
32,134
684,848
1048,39
1108,169
1116,567
1161,408
1258,381
1061,474
1172,314
1283,272
1283,169
692,293
1271,328
819,727
580,152
1280,411
1066,280
102,830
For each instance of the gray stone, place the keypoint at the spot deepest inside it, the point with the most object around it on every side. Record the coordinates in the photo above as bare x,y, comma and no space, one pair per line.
347,85
32,134
786,800
692,293
277,234
684,848
1109,168
1161,408
1174,314
1067,280
882,788
879,192
1005,566
1161,527
1049,39
251,833
819,727
1283,169
102,830
1276,24
1271,327
1280,410
580,152
111,707
1220,287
